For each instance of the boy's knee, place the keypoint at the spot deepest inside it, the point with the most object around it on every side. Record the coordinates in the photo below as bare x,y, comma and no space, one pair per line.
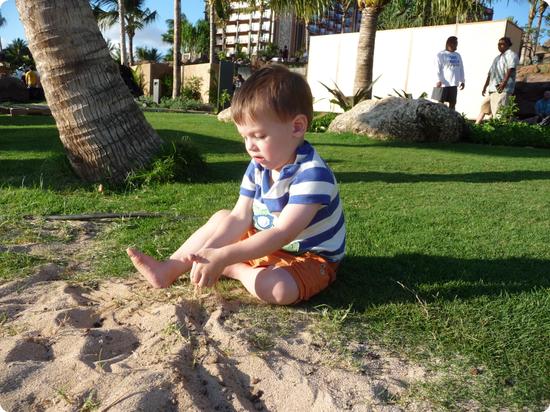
273,288
219,215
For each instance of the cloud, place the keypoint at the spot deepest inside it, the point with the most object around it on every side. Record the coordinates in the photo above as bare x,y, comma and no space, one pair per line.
2,2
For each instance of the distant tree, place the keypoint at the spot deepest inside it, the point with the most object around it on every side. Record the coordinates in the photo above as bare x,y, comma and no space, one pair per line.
17,54
148,54
176,49
122,24
194,38
2,22
136,18
542,8
414,13
219,12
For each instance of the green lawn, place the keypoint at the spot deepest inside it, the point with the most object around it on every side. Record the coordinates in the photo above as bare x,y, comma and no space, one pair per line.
448,245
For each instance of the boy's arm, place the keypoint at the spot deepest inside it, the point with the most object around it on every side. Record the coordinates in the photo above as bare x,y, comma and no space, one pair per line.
234,225
293,219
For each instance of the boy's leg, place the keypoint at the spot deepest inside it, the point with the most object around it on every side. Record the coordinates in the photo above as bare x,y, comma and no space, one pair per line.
269,284
161,274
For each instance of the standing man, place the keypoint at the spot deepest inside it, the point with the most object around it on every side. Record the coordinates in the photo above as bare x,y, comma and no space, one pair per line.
501,80
450,72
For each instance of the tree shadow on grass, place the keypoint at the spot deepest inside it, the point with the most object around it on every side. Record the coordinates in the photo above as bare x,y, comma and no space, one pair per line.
205,143
481,177
367,281
54,171
460,147
27,121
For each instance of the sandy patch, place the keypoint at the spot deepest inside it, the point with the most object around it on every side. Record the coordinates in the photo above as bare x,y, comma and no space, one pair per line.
118,345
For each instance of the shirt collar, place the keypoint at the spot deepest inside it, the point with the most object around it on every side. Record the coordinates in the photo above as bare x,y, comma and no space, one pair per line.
303,152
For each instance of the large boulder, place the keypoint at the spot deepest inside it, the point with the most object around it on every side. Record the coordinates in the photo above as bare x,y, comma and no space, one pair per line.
396,118
225,115
13,89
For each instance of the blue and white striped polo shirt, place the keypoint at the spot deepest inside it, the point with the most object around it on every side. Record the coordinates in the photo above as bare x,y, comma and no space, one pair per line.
308,180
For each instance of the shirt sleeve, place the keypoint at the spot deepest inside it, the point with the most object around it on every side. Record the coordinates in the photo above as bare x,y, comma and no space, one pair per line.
248,184
461,77
511,61
439,68
313,185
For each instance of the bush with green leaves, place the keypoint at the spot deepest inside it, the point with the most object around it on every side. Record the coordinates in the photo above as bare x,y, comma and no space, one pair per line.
321,122
347,102
514,133
269,51
177,161
506,130
192,88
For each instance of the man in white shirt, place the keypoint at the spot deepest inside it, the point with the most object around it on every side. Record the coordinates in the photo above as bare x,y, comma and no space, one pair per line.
501,80
450,72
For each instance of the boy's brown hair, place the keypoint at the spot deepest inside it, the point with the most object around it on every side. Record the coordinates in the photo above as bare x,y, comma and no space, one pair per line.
275,89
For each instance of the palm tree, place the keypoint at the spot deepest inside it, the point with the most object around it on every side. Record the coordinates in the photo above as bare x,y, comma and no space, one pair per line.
148,54
219,12
102,129
542,8
176,83
121,13
17,54
2,22
106,12
194,38
526,52
304,10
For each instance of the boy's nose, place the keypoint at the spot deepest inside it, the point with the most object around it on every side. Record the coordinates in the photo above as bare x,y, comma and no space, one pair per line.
250,145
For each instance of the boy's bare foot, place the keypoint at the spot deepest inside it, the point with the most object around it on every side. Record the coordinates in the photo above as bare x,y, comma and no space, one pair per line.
158,274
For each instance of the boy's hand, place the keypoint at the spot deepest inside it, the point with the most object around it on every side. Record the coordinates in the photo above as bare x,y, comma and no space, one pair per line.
208,266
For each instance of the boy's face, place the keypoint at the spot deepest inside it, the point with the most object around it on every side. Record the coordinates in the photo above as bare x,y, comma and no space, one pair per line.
271,142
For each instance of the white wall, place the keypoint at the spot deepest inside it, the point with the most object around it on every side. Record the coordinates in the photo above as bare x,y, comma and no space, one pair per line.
405,60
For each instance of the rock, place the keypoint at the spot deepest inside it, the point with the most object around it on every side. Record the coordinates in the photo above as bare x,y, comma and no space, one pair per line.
13,89
395,118
225,115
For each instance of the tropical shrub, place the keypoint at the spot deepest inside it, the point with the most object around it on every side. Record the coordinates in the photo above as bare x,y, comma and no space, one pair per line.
178,161
321,122
347,102
507,130
192,88
511,133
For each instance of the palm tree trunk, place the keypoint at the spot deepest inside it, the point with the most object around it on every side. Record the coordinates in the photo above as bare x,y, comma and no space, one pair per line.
542,9
131,48
176,82
261,24
250,33
102,129
121,14
212,50
365,49
526,53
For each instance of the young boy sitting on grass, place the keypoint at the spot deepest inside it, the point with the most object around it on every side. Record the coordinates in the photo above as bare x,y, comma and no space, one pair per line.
286,235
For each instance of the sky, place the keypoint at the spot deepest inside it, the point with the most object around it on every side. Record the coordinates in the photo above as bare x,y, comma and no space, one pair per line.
150,36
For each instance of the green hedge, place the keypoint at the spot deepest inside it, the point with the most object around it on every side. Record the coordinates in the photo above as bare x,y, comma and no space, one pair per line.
509,134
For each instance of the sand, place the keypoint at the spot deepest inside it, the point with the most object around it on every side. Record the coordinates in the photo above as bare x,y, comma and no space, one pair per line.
118,345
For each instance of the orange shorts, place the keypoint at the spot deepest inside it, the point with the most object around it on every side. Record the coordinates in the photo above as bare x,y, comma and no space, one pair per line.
312,272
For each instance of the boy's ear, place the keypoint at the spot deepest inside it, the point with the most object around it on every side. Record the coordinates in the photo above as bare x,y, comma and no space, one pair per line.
299,125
